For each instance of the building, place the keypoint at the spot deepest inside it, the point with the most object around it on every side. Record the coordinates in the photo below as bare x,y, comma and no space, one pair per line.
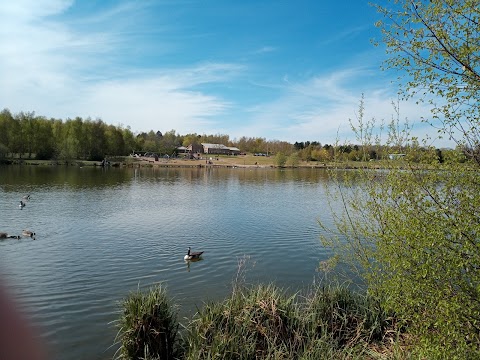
195,149
396,156
204,148
219,149
182,150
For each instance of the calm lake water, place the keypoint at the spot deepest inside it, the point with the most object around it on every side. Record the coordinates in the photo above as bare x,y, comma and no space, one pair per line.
102,233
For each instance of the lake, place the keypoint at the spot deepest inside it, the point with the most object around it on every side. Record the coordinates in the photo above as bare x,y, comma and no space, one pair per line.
102,233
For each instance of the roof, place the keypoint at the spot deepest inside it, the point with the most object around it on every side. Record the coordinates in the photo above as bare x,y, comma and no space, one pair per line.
215,146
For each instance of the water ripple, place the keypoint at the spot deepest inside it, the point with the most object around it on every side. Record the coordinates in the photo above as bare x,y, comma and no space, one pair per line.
116,231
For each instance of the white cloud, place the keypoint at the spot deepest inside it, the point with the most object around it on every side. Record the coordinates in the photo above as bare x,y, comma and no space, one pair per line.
320,108
159,103
265,49
48,66
64,67
24,10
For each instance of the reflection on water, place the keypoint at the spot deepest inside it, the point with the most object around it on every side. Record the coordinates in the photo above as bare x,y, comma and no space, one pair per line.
101,233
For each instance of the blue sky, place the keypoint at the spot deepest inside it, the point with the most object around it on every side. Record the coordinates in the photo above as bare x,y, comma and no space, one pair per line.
282,70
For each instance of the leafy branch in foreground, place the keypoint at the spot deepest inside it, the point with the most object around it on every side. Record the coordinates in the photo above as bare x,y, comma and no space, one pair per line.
436,46
414,231
413,234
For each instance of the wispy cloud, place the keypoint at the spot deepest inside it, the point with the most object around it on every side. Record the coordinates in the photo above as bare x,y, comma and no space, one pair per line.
265,49
63,60
57,70
320,109
345,34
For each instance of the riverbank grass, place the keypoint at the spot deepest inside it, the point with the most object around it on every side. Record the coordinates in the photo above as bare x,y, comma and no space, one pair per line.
148,326
260,322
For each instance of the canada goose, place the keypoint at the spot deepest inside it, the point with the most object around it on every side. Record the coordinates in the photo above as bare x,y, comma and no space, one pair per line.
26,197
192,255
28,233
6,236
21,205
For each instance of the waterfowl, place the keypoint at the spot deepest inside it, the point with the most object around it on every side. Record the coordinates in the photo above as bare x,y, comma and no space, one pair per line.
26,197
28,233
21,205
6,236
192,255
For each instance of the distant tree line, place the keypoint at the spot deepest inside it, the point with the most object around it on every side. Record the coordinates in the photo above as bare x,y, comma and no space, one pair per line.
26,134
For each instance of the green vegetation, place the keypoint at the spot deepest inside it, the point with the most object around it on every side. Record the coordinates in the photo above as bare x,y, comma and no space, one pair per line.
148,327
260,322
413,233
27,136
280,159
410,231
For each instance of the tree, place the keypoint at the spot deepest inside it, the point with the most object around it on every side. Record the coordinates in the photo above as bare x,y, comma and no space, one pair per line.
6,123
412,233
436,46
413,230
280,159
44,146
293,160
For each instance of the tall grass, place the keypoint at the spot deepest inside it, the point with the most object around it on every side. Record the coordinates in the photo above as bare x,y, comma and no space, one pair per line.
260,322
148,326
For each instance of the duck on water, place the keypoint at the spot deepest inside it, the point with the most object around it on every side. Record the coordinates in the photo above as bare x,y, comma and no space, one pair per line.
192,255
28,233
4,235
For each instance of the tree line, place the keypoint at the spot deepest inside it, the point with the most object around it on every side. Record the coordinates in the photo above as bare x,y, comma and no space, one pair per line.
26,134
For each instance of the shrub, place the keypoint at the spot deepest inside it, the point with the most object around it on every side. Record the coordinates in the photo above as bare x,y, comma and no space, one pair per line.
148,327
253,323
345,318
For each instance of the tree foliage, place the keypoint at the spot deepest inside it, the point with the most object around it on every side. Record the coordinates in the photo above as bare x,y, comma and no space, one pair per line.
414,230
436,46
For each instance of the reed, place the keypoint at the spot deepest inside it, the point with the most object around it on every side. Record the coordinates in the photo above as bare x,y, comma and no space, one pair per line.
253,323
260,322
148,326
346,317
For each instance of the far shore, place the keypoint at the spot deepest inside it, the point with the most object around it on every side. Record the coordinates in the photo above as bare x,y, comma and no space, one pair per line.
242,161
208,161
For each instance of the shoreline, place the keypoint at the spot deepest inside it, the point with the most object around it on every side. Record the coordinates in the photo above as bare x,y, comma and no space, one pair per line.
174,163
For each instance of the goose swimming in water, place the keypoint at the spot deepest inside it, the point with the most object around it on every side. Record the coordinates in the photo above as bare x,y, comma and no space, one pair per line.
26,197
21,205
192,255
28,233
6,236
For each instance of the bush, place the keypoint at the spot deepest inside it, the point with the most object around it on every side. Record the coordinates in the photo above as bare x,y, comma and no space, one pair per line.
260,322
253,323
346,318
148,327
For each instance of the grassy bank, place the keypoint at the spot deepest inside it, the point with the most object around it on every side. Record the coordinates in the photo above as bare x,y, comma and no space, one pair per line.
248,161
259,322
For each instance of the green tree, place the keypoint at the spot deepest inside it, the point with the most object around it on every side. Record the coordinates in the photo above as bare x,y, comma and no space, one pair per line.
436,46
280,159
6,123
128,139
293,160
413,230
44,145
